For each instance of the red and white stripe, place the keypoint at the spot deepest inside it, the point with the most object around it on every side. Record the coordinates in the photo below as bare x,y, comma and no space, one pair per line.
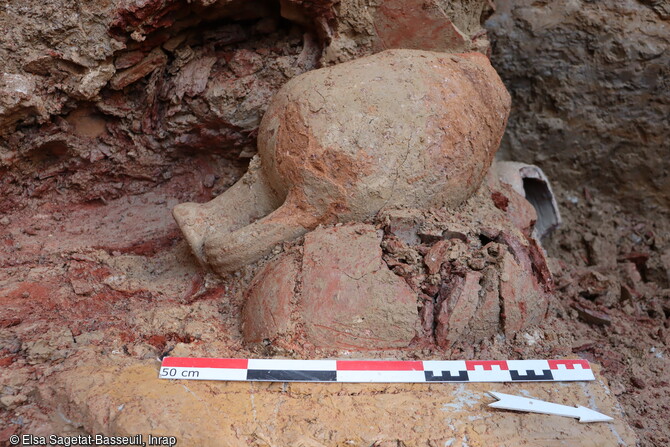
383,371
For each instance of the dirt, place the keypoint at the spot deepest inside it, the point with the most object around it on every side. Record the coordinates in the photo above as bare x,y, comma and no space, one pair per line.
71,305
612,272
590,86
94,272
476,271
118,395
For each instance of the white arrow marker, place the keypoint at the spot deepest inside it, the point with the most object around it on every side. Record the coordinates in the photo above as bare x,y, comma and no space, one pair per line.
518,403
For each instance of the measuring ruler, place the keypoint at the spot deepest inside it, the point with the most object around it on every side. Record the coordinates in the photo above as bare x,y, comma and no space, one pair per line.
380,371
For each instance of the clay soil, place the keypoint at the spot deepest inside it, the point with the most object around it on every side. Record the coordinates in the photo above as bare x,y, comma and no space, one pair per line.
116,279
612,271
94,269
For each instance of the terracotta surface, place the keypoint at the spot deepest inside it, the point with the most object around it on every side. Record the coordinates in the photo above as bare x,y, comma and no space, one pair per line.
350,298
269,301
77,307
459,303
346,299
466,277
341,143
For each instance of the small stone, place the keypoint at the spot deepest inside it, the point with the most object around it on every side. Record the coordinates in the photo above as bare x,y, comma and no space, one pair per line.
638,382
430,236
393,245
630,275
126,59
192,78
14,345
245,62
477,263
500,200
489,234
81,286
431,289
92,82
459,302
494,250
143,351
126,77
208,181
617,388
639,259
10,402
436,256
10,322
5,221
403,224
601,251
448,235
592,316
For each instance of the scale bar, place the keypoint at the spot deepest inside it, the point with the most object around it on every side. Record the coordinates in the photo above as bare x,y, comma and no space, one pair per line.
375,371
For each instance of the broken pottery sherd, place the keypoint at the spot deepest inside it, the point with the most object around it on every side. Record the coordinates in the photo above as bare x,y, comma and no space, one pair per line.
531,183
402,128
348,287
348,298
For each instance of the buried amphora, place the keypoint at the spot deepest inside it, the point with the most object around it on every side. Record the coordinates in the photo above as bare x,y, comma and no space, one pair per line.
401,128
